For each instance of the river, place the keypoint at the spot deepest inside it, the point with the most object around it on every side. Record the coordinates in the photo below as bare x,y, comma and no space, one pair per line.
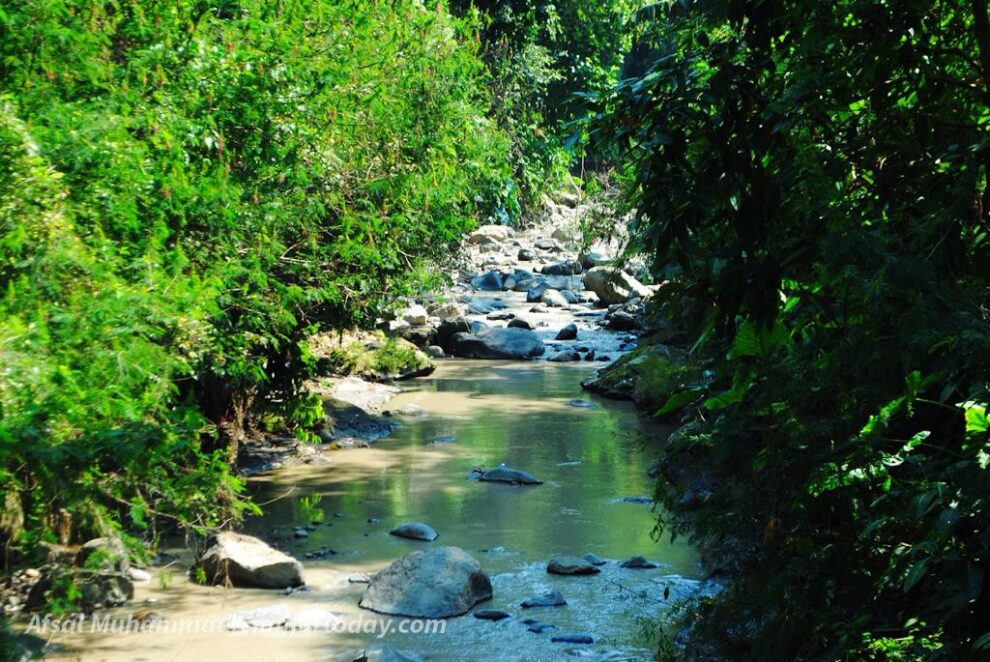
478,414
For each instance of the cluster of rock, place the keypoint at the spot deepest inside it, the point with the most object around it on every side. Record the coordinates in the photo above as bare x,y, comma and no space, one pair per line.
513,284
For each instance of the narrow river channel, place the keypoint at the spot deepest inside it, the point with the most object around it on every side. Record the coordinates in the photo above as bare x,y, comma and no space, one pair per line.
593,456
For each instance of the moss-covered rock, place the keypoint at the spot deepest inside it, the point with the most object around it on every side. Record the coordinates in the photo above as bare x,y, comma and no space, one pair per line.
371,356
648,376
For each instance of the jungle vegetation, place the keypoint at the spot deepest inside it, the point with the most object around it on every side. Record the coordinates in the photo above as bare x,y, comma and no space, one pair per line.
190,190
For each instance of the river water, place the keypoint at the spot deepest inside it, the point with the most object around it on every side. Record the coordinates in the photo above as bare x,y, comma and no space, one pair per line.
478,414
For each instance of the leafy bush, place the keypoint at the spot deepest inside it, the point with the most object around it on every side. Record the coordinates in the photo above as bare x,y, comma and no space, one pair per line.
813,180
189,192
544,58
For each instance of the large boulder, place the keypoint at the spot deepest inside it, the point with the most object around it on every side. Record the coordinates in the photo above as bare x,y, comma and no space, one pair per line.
247,561
440,582
613,285
497,343
415,531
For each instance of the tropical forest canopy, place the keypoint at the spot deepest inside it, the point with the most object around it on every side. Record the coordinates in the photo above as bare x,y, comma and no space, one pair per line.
189,191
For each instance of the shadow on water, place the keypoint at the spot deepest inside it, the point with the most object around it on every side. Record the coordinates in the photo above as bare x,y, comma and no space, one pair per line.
481,414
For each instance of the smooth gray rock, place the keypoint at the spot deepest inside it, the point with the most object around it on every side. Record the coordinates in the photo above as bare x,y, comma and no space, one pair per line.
439,582
509,475
572,638
415,531
520,323
247,561
639,563
571,565
569,332
497,343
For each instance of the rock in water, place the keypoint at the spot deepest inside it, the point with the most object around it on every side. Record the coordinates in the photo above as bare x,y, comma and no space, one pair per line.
497,343
566,356
247,561
594,559
535,293
571,565
569,332
436,583
509,475
415,531
639,563
540,628
572,638
491,614
552,599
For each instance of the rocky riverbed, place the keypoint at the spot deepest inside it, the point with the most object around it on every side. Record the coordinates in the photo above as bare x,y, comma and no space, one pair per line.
494,494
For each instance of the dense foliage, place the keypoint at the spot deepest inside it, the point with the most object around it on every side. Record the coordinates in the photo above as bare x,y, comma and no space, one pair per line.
545,58
813,180
187,192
